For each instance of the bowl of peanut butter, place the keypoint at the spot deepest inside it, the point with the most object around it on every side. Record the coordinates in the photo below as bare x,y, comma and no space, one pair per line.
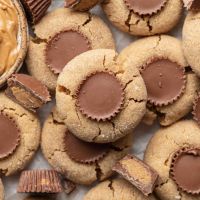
13,38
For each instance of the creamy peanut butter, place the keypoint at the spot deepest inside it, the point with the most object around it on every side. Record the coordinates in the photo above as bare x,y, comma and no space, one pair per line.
9,48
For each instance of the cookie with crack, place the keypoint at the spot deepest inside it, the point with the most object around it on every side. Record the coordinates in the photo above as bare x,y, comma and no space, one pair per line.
171,85
19,138
116,189
60,36
191,40
81,5
79,161
143,18
173,152
99,99
1,190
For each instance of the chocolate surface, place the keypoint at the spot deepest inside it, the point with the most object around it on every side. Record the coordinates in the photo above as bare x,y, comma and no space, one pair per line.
138,173
64,47
9,136
192,4
70,3
39,181
185,170
145,7
84,152
165,81
100,96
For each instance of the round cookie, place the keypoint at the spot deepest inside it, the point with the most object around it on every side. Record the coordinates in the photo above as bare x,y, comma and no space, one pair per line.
21,136
60,36
191,40
70,156
160,154
99,100
143,17
116,189
168,105
81,5
1,190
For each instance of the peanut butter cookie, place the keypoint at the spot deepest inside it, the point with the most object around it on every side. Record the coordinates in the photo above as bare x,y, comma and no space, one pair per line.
60,36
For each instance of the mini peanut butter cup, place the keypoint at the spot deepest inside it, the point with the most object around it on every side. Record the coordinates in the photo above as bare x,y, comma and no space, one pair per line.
185,168
27,91
84,152
63,47
39,181
192,4
36,9
100,96
196,109
71,3
165,81
9,135
145,7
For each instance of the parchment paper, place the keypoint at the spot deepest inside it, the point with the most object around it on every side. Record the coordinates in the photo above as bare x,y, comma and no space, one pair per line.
142,134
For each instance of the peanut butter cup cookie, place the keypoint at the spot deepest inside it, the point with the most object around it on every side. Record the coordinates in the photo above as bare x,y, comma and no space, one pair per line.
1,190
116,189
99,99
142,17
79,161
81,5
171,85
174,152
19,138
60,36
191,39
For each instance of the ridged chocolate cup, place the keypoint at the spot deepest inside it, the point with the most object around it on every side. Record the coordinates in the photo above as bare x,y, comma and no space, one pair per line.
36,9
23,40
40,182
142,12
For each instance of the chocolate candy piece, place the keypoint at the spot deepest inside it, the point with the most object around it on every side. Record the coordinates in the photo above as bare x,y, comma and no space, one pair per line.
84,152
39,181
81,5
165,81
192,4
35,9
185,168
63,47
138,173
27,91
100,96
145,7
9,135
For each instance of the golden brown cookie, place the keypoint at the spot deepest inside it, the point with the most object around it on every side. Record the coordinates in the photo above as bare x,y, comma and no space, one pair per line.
170,95
60,36
79,161
100,99
116,189
21,136
169,152
141,17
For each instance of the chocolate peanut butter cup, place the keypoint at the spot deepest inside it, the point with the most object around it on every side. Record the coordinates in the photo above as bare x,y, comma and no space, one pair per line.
165,81
84,152
185,168
63,47
145,7
100,96
27,91
36,9
9,135
192,4
39,181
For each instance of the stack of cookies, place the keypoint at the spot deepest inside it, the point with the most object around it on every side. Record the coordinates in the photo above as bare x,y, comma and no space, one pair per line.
101,96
